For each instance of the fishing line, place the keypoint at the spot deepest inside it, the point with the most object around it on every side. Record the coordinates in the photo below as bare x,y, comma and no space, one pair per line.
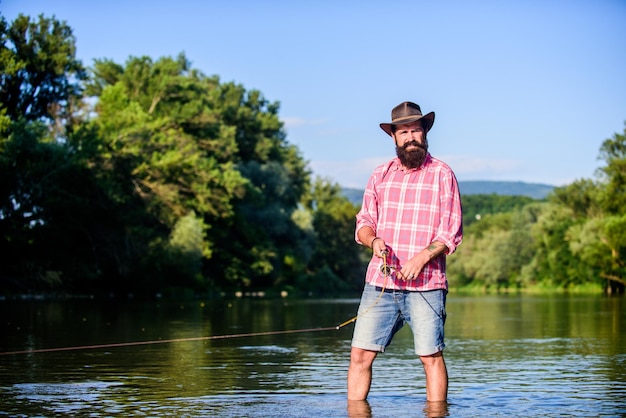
214,337
384,269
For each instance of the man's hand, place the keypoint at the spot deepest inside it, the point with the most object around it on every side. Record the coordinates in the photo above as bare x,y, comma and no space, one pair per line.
415,265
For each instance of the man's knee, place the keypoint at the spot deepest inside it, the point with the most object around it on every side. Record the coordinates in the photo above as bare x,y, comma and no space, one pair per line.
362,358
432,358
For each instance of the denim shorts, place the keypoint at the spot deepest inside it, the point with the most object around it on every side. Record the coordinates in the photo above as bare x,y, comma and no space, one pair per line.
382,314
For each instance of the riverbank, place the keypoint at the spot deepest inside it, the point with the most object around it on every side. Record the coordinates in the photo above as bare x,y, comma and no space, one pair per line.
272,293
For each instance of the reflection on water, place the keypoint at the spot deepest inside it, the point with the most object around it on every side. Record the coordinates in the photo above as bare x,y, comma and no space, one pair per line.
506,355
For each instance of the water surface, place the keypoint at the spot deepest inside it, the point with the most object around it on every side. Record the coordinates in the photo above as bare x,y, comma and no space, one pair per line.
507,356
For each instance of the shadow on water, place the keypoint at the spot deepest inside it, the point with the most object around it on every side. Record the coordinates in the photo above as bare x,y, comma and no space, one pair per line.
506,355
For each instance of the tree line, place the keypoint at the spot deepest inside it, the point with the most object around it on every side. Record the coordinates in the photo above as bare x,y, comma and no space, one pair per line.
150,176
575,239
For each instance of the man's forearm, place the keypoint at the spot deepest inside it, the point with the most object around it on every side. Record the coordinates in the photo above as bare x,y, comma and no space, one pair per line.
432,251
366,235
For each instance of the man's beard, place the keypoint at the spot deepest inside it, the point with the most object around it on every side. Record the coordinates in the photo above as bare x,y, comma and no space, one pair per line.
415,158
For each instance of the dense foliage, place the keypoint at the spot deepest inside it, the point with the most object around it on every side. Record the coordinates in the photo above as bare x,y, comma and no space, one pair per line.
150,176
170,179
575,238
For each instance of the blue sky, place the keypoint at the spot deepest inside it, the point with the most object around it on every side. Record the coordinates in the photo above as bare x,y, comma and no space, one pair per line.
522,90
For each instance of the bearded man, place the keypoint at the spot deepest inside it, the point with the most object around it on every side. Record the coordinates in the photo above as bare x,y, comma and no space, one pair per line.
411,219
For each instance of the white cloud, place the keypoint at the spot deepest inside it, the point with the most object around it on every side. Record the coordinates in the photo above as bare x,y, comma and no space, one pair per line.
469,165
347,173
298,122
356,173
294,122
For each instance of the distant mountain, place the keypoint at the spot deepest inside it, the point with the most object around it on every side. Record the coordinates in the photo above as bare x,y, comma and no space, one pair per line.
354,195
509,188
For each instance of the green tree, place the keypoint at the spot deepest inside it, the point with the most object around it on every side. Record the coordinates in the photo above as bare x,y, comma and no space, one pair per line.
594,235
601,241
151,162
495,250
41,185
613,174
338,263
554,263
39,73
173,178
260,243
582,196
186,142
476,206
188,249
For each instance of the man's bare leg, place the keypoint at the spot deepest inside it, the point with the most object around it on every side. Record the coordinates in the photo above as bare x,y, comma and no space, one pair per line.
359,409
360,373
436,377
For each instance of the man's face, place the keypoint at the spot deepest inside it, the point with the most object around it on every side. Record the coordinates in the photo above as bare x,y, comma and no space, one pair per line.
411,144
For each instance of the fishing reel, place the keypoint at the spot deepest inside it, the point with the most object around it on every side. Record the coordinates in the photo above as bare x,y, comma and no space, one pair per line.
384,268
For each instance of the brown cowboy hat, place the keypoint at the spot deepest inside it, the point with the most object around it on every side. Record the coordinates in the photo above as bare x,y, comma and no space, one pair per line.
408,112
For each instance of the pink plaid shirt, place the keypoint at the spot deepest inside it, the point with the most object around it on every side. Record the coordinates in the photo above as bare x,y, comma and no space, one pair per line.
410,210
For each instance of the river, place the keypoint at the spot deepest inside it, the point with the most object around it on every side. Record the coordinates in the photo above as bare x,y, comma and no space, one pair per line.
507,355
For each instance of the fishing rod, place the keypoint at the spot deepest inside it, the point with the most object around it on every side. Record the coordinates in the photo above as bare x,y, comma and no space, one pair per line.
384,269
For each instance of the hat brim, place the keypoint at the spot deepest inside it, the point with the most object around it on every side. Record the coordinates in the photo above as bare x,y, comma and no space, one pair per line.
427,122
